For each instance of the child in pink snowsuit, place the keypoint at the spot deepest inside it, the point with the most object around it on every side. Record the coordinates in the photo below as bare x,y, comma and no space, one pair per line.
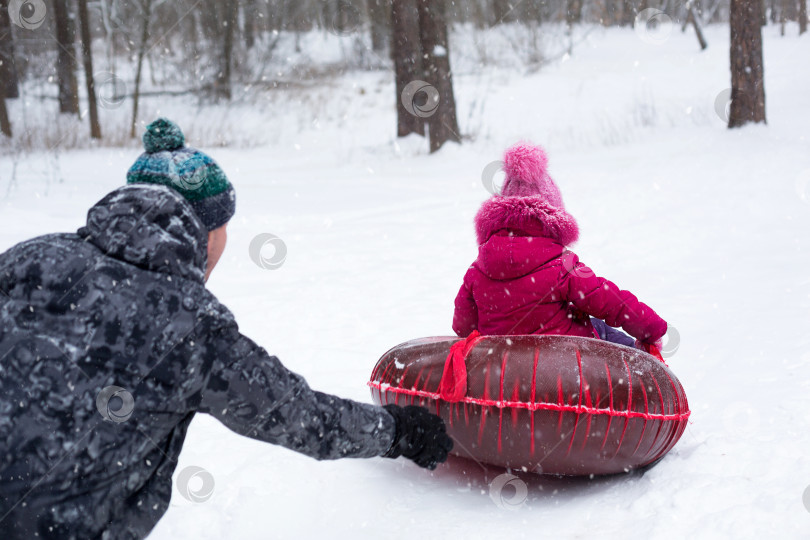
525,281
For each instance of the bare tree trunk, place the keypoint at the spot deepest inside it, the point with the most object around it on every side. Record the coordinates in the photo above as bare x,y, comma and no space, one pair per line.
265,12
699,32
379,12
628,13
802,16
328,15
573,12
223,83
611,12
8,71
501,11
210,15
250,11
147,14
791,10
292,17
478,14
5,124
692,17
747,71
406,49
443,125
716,13
87,55
189,35
533,12
66,63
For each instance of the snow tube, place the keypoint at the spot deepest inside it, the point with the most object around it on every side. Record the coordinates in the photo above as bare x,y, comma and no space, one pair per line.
548,404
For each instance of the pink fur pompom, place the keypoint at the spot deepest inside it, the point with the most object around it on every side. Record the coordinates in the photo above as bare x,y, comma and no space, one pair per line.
526,168
525,163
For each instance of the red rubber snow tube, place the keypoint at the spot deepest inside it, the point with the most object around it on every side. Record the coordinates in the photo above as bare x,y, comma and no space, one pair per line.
549,404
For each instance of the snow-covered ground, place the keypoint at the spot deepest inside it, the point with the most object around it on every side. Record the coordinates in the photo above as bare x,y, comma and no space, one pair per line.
707,225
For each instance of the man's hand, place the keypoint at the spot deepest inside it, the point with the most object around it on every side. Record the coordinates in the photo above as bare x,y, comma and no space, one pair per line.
421,436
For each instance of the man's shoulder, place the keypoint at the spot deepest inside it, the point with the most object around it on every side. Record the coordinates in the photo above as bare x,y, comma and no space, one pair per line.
52,241
49,254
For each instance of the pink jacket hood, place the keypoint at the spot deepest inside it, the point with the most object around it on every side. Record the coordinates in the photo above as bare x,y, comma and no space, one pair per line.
525,216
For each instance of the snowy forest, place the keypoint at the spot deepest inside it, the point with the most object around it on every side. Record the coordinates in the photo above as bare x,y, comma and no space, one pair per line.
109,62
547,255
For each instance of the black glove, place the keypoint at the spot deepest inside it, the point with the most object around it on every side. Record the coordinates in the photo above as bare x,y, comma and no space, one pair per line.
421,436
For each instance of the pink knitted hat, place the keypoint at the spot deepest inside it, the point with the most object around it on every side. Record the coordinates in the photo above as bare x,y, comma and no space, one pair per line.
526,167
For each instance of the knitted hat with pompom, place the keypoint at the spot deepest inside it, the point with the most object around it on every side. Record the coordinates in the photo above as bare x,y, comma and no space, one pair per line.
526,167
168,162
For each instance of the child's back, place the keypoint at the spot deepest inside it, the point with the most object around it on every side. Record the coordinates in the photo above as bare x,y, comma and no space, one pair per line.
525,281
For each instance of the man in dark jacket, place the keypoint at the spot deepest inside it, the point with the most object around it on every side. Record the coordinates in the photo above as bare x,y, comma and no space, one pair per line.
110,343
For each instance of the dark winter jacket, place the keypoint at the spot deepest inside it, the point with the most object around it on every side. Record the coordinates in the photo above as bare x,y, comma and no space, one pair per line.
525,281
122,303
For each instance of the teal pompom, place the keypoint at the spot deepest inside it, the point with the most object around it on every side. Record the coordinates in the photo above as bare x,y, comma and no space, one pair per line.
163,134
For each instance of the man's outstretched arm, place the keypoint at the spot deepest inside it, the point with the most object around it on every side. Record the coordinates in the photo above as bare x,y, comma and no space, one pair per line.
253,394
